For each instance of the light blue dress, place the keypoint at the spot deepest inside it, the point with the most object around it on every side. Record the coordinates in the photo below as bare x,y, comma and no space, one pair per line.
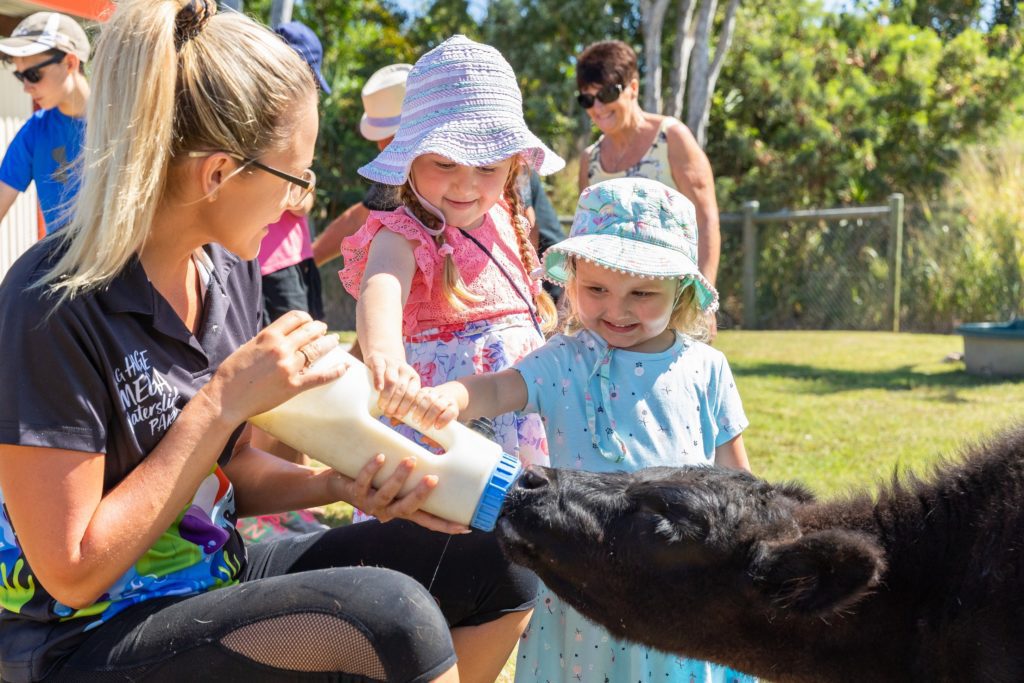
670,408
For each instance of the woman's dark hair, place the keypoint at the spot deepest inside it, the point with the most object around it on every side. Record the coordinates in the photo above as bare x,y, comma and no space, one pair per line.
608,62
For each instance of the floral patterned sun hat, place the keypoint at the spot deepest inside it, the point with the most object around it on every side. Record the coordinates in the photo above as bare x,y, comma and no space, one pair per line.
462,101
636,226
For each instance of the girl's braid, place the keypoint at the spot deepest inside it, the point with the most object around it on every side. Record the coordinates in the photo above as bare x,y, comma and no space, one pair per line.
542,300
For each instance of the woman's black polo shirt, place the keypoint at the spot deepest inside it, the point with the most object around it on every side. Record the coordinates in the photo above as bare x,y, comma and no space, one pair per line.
108,372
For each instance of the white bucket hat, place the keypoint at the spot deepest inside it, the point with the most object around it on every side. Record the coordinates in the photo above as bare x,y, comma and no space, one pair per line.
637,226
462,101
382,101
44,31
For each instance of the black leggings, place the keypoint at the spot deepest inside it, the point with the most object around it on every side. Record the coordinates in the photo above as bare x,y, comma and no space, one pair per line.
317,608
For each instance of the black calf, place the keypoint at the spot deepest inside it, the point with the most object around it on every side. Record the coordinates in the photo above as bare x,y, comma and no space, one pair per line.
923,583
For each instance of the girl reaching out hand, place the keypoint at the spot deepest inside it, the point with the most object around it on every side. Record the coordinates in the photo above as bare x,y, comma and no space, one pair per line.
630,386
444,282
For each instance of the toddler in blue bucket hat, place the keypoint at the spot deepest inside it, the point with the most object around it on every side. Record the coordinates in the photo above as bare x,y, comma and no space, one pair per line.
628,386
444,283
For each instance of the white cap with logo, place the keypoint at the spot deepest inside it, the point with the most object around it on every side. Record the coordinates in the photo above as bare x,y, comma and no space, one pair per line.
44,31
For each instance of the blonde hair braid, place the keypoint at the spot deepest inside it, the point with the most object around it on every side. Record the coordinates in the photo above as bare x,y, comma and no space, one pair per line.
542,300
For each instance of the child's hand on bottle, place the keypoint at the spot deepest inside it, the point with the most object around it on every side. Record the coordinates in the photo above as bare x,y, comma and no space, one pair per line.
433,407
397,382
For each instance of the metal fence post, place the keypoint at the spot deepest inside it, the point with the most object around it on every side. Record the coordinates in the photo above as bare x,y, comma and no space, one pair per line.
895,257
750,264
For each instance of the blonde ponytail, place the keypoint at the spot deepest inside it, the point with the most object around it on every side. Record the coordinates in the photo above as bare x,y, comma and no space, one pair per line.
169,76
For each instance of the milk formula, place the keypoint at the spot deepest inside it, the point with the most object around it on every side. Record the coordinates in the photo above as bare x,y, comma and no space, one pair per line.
337,424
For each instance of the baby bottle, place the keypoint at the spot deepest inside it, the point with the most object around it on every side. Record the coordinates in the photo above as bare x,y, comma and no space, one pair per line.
337,425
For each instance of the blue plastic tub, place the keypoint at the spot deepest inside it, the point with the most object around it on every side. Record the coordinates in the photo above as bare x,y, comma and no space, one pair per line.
995,349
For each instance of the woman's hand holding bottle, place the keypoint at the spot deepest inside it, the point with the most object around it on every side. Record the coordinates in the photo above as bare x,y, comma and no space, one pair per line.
272,367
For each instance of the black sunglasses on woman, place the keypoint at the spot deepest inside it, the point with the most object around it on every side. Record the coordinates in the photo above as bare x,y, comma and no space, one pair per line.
32,74
605,95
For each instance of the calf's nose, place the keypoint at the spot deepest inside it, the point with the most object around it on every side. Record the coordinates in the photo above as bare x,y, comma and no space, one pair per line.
532,479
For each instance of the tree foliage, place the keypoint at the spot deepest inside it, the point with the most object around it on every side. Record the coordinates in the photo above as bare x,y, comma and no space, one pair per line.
812,107
819,109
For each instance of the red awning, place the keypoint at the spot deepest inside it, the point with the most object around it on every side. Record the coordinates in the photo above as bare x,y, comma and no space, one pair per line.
86,9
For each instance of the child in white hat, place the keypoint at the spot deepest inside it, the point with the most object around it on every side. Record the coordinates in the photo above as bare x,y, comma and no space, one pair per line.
444,282
382,97
48,51
630,387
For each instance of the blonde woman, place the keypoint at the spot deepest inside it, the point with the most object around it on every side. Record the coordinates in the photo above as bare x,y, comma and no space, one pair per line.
132,364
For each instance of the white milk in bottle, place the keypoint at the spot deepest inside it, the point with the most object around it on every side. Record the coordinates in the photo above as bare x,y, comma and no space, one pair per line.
337,424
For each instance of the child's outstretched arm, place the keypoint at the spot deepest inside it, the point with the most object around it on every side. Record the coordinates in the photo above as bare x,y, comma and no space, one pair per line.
390,267
732,454
484,395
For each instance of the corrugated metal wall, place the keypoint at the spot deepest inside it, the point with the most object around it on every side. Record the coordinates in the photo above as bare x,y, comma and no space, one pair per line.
20,228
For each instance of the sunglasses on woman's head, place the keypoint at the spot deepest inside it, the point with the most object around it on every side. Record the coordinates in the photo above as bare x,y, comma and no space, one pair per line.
32,74
605,95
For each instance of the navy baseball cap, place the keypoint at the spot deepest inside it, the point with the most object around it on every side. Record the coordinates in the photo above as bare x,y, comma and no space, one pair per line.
304,41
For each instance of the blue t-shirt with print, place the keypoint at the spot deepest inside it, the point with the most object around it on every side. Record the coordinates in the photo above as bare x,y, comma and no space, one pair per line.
669,408
43,151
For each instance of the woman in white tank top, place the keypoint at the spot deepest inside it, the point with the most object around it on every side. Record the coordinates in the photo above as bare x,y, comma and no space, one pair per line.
638,144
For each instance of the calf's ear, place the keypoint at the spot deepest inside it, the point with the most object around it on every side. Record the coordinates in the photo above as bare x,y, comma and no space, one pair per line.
819,573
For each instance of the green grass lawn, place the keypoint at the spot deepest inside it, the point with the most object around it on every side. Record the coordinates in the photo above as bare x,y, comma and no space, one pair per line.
840,410
843,409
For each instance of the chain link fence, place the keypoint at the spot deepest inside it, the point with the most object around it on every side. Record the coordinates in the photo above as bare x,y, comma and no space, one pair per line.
820,269
913,268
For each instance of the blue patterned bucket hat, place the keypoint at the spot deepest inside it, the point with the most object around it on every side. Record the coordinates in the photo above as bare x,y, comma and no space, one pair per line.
462,101
636,226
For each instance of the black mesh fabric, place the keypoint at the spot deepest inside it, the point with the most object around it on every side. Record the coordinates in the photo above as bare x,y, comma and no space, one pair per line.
285,642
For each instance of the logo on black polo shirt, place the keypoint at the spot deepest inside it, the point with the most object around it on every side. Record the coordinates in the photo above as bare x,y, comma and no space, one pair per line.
148,399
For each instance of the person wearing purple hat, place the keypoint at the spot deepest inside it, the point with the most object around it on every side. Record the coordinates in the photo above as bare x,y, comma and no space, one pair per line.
445,283
302,39
629,386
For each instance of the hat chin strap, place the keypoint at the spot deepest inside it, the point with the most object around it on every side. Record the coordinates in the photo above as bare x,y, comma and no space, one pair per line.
434,232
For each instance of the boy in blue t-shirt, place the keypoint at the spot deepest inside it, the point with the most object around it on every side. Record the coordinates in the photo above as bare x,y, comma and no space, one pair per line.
49,51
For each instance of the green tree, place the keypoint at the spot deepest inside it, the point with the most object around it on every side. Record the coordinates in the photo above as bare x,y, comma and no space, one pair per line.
441,20
818,109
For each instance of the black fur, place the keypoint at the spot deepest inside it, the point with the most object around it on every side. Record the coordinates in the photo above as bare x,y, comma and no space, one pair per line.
925,582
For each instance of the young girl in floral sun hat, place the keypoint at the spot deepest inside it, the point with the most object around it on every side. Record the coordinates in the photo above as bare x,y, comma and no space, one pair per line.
629,386
444,282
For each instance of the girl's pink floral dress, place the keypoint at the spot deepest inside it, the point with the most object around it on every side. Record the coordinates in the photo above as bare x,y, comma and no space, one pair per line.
444,343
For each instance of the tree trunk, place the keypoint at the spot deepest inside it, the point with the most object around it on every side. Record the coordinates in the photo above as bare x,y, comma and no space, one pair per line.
703,70
681,50
700,68
280,12
724,42
652,21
